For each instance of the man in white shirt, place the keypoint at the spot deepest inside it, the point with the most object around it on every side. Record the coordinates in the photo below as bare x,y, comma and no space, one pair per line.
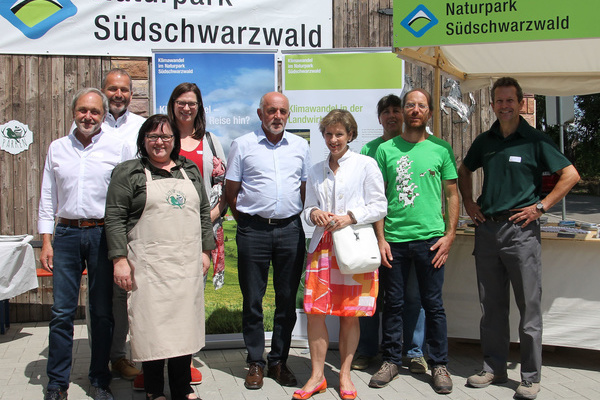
118,88
76,176
266,180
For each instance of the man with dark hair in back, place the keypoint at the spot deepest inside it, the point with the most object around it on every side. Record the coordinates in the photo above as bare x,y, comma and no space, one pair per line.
389,114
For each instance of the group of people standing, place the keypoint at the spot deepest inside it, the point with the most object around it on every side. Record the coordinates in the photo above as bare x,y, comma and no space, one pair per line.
120,200
158,221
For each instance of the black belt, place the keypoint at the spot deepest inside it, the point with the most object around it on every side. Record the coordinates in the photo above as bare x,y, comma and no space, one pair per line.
500,217
81,223
268,221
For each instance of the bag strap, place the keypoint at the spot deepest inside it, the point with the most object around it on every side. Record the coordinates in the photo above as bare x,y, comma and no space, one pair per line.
210,143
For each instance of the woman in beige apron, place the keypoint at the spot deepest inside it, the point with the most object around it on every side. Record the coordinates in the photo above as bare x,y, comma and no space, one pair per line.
165,259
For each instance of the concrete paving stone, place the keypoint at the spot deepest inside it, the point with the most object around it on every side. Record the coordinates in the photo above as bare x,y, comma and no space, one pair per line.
567,373
234,355
213,355
584,391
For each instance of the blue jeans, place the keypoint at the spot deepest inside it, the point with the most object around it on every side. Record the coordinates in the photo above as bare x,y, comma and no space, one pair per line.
260,244
74,250
413,333
430,282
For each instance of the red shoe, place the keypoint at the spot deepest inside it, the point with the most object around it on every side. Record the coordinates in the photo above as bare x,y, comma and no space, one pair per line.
138,382
196,376
348,394
301,394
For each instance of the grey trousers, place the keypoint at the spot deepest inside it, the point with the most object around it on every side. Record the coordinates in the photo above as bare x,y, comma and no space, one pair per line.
505,254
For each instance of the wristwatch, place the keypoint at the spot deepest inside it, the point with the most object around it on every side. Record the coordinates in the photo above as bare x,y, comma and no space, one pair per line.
540,207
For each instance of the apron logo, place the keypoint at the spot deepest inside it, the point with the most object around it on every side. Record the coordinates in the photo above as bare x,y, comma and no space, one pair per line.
176,198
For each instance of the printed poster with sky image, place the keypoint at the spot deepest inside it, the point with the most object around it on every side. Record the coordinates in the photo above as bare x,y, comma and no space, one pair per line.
231,85
318,83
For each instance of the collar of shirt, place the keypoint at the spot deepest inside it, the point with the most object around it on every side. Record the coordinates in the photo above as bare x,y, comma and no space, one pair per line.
343,158
522,130
159,171
115,123
79,146
262,137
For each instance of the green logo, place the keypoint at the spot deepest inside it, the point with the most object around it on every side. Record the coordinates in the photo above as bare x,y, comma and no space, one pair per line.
35,17
176,198
15,137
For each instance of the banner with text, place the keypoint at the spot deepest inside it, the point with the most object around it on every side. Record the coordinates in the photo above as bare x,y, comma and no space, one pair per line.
459,22
135,27
318,83
231,85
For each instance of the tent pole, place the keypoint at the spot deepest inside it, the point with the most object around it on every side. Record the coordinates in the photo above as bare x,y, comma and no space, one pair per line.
437,92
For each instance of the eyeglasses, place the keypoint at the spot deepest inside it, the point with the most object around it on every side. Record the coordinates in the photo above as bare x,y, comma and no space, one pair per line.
191,104
164,138
411,106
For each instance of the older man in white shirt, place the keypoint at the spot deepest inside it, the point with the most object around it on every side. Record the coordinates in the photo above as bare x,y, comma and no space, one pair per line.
76,176
266,181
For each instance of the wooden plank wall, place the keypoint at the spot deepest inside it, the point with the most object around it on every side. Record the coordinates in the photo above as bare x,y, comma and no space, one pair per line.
357,23
37,90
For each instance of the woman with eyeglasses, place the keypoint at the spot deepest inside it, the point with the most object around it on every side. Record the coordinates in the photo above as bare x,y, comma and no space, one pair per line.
159,236
186,109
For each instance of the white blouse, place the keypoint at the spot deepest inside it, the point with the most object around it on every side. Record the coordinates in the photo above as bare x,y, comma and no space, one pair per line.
356,187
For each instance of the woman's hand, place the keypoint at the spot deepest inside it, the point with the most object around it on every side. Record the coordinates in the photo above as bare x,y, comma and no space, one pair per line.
338,222
320,217
205,261
122,273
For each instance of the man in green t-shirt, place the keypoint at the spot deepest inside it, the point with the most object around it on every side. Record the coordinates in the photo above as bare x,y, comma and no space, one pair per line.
415,166
513,156
389,114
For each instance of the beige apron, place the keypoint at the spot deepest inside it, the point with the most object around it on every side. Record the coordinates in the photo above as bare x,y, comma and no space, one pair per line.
166,305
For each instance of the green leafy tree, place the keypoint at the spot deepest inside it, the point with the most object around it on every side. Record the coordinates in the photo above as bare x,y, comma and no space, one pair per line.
582,138
587,133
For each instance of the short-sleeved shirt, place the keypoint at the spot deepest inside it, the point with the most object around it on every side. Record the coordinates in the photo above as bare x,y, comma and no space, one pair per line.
512,166
370,149
413,174
270,174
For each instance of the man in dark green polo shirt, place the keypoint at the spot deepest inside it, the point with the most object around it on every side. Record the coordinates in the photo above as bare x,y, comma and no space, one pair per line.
513,156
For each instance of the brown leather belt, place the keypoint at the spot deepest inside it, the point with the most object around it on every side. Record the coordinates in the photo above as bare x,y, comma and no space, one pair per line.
81,223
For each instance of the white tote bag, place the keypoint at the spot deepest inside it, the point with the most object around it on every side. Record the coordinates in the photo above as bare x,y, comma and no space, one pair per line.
356,249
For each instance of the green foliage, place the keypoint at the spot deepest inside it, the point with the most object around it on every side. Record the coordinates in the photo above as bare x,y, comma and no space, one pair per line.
224,306
582,138
587,120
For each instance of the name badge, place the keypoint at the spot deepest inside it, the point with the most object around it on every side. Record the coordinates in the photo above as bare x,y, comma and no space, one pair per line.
514,159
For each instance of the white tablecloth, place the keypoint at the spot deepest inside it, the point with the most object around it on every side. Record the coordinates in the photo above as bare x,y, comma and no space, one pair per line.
17,266
570,293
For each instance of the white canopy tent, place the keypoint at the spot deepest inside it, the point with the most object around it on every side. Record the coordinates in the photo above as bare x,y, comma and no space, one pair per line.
553,67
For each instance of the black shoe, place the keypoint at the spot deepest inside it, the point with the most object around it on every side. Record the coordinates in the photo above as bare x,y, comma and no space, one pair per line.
102,394
56,394
282,374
